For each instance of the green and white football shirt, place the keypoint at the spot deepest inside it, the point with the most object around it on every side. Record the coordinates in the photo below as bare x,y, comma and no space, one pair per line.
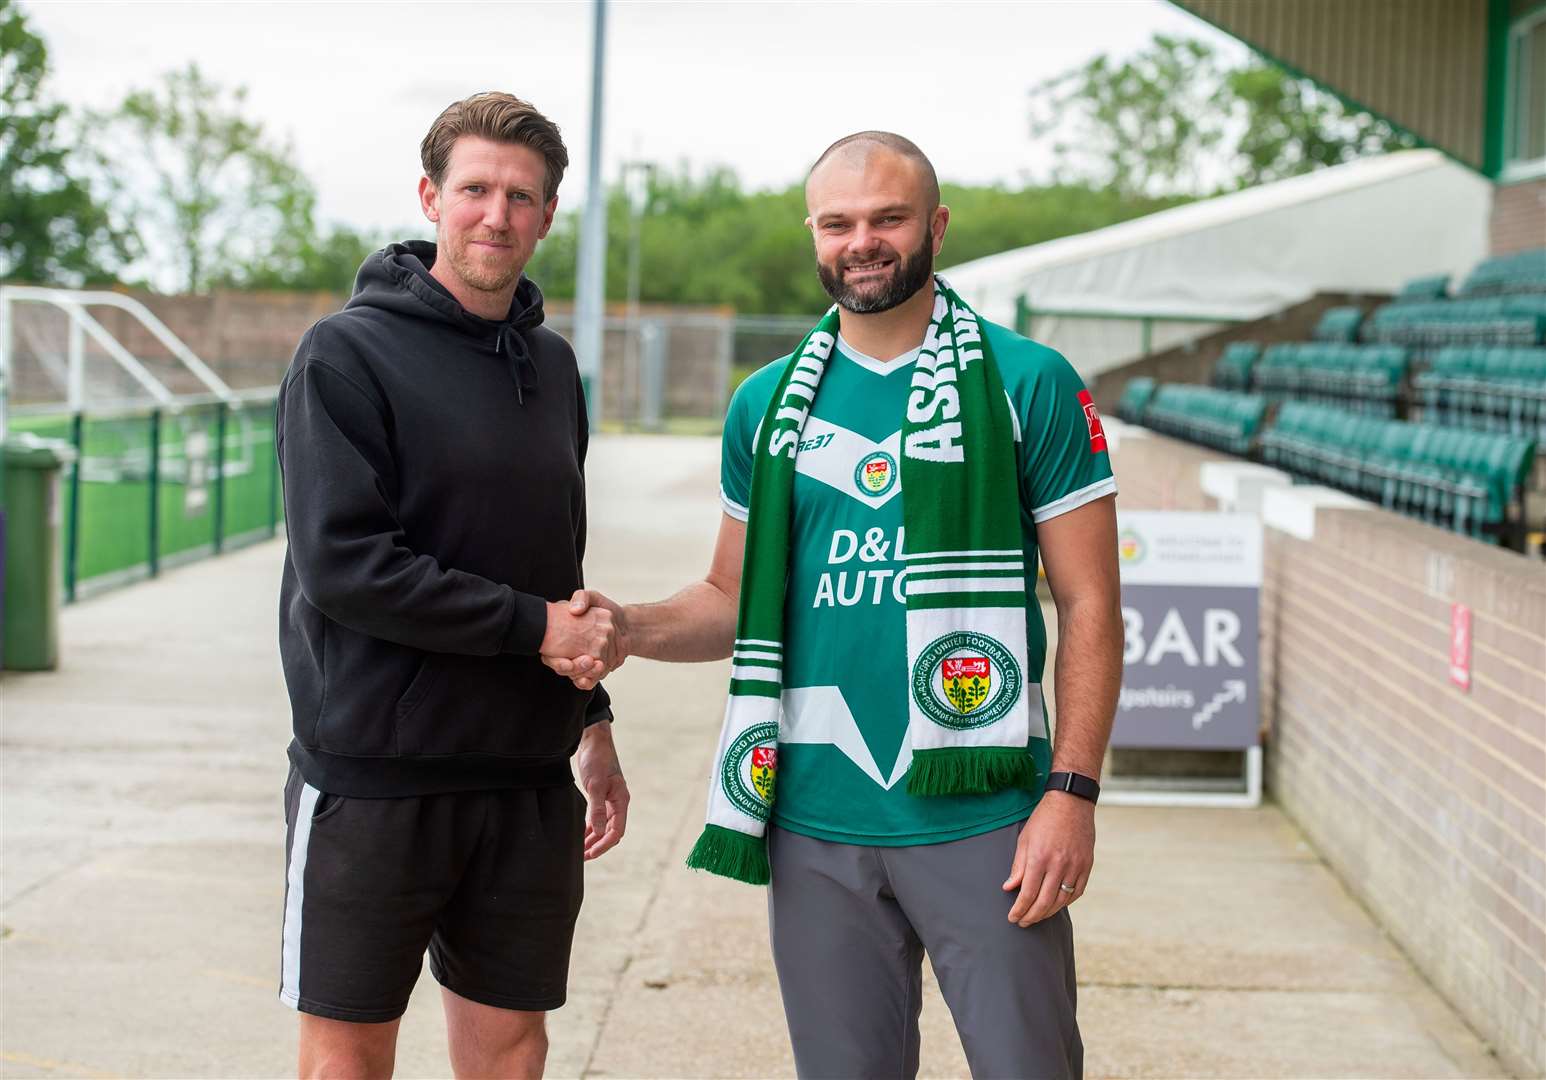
843,747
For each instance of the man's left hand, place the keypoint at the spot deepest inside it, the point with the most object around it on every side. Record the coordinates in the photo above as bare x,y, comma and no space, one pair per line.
1056,846
606,792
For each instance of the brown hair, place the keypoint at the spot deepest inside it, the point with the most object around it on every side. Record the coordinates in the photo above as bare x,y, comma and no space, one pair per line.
501,118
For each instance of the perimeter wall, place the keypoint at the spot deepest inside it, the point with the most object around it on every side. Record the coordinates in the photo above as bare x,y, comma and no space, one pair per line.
248,339
1428,800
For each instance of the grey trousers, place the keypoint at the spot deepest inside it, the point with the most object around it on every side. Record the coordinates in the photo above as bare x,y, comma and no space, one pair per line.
850,925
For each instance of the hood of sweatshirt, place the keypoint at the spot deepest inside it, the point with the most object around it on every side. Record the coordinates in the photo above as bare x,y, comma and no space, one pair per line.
397,279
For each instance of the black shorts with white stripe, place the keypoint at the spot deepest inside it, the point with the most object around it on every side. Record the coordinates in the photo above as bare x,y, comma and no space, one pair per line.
490,882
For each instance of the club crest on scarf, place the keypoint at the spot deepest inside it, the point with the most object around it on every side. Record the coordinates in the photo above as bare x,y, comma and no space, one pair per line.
751,766
965,680
764,767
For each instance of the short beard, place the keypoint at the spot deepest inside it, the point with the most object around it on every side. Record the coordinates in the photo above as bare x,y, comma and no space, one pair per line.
476,277
912,273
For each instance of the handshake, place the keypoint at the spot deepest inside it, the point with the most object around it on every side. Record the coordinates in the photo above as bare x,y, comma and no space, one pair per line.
586,639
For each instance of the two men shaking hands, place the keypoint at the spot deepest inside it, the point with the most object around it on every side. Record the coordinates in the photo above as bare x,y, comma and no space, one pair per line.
587,638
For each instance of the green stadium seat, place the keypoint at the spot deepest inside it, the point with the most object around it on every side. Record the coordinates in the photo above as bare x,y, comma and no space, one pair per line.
1233,370
1464,480
1203,414
1364,378
1487,388
1522,272
1427,326
1135,399
1434,287
1338,324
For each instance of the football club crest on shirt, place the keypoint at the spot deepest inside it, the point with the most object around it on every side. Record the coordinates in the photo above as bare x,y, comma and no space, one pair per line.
751,767
965,680
876,473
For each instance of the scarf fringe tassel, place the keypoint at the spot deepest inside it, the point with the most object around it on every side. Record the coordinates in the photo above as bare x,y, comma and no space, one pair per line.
970,770
731,854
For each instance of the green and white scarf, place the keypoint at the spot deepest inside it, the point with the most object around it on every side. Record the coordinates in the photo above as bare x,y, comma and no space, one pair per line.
968,714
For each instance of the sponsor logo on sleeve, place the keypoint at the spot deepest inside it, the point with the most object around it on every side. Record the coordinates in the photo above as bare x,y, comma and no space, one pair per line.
1092,419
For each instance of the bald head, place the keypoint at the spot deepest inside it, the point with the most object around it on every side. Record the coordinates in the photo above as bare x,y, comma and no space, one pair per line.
856,151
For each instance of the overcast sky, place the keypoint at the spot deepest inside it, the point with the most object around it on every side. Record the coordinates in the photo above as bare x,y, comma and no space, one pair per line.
761,87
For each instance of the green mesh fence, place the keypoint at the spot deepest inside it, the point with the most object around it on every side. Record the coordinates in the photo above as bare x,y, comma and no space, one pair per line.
252,502
112,508
187,496
162,486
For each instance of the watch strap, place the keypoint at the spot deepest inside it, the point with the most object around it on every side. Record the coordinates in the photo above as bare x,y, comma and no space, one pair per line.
1075,784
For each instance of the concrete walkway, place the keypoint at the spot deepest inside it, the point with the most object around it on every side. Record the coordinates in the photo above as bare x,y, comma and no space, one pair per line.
143,858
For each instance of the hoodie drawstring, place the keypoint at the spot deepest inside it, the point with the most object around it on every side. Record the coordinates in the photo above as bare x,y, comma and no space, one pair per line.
509,341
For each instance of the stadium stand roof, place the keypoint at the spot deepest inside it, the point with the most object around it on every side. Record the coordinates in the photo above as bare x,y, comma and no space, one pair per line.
1383,55
1367,226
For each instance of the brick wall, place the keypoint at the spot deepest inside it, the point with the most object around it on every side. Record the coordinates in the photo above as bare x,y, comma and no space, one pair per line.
248,339
1518,217
1427,800
1157,473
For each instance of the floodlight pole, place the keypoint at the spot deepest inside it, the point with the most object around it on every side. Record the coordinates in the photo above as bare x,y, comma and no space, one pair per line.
637,208
590,275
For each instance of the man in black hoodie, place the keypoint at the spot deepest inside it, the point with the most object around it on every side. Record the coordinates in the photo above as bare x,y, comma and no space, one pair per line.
432,437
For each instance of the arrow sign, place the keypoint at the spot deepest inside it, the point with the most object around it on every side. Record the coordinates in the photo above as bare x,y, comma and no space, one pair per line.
1234,690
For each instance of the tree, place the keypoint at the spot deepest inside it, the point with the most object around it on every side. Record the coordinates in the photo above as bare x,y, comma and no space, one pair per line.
1174,119
52,231
704,240
1292,126
1141,126
213,198
327,262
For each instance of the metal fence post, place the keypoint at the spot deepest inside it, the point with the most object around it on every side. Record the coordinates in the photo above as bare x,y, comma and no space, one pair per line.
72,547
1022,316
220,414
76,373
1148,335
652,375
273,475
153,481
5,364
726,362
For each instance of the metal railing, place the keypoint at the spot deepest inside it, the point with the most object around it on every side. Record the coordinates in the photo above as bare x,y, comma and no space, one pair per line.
158,477
1104,339
159,486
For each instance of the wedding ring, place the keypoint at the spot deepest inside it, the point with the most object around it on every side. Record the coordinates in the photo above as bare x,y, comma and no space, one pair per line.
1066,887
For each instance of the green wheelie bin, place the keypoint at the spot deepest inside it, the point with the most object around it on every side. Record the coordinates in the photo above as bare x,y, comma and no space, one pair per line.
31,499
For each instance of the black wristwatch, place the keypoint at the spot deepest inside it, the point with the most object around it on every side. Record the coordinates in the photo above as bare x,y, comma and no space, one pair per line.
1074,784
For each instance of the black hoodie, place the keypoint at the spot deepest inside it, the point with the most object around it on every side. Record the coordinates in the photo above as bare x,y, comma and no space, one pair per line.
434,490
